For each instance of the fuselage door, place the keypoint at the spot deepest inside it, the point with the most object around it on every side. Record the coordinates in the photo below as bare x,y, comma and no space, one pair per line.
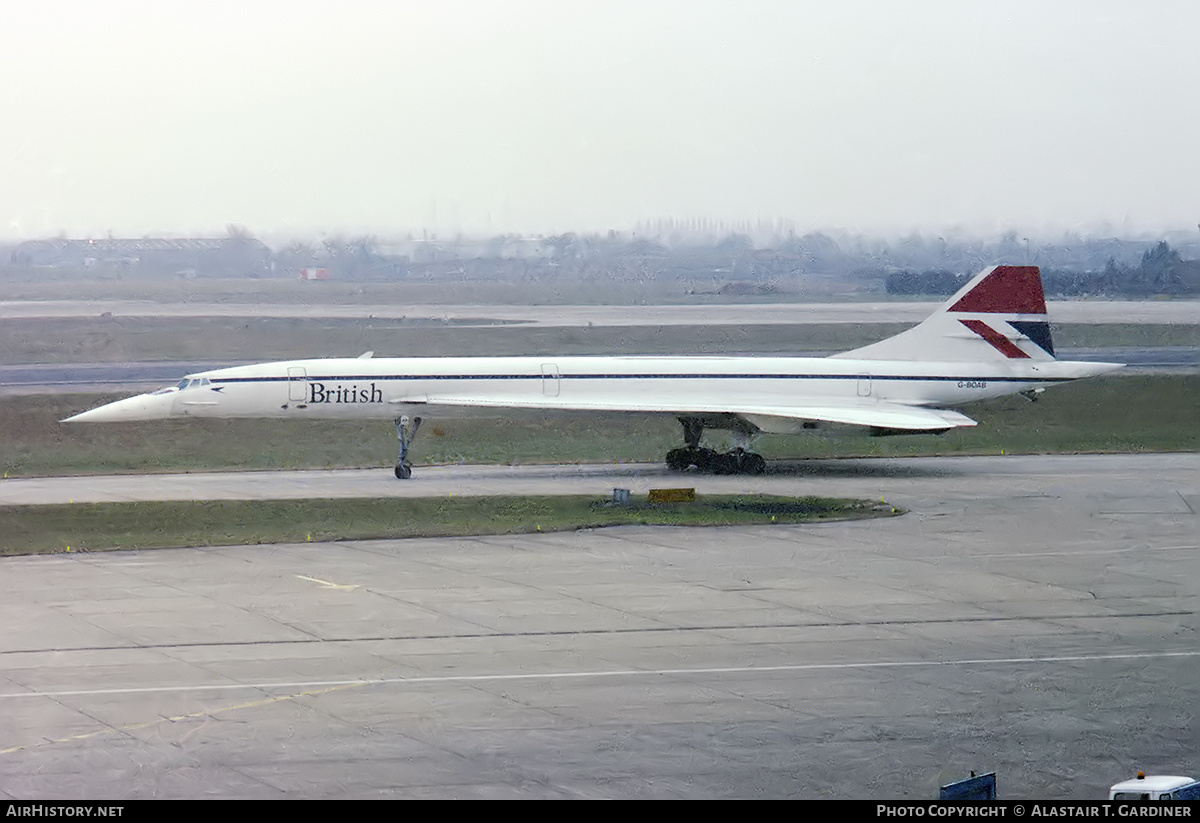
550,380
864,385
297,384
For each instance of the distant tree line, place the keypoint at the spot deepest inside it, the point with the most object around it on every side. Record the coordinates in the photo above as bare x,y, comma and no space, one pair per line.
1160,271
916,264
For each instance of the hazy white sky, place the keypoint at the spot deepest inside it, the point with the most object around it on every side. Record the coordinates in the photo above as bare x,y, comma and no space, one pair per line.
294,117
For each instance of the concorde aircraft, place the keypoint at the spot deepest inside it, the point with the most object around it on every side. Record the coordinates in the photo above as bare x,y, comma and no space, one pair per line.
990,339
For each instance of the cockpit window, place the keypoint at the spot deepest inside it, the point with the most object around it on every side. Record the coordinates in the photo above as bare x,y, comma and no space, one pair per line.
185,383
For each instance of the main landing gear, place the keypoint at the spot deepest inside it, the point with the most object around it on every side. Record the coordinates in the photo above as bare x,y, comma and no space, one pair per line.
738,461
405,433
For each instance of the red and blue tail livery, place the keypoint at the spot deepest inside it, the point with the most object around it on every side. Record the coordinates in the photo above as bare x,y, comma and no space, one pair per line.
1015,291
1001,312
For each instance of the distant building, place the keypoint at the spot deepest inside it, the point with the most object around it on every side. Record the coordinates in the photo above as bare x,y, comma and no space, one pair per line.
503,247
233,256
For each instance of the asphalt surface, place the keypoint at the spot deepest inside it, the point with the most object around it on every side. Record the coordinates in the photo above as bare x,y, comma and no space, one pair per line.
1033,616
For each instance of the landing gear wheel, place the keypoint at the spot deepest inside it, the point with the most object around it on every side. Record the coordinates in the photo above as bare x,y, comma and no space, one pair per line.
678,460
707,461
754,464
726,463
403,471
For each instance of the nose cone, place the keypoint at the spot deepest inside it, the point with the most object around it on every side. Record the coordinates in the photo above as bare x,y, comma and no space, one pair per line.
142,407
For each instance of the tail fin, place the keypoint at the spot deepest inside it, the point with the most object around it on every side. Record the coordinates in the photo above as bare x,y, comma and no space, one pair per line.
1001,313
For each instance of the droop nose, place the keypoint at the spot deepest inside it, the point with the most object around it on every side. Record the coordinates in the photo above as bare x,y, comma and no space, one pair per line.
154,406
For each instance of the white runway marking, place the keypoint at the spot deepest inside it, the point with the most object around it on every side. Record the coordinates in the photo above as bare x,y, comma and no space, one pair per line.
483,678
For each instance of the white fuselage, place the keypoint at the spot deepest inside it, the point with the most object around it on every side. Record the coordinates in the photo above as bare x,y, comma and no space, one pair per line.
388,387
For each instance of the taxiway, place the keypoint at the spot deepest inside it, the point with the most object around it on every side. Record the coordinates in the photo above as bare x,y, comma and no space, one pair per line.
1063,311
1035,616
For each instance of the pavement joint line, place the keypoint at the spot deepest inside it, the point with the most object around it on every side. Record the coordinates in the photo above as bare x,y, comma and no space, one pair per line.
828,624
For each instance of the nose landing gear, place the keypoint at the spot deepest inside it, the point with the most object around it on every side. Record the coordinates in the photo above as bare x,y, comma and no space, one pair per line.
405,434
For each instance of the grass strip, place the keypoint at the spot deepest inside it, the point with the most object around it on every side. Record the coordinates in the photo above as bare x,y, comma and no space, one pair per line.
151,525
1110,414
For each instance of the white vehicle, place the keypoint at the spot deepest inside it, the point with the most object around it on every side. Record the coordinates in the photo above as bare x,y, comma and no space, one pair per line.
990,339
1156,787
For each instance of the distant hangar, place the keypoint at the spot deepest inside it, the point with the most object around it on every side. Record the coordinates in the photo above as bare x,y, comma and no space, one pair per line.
219,256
